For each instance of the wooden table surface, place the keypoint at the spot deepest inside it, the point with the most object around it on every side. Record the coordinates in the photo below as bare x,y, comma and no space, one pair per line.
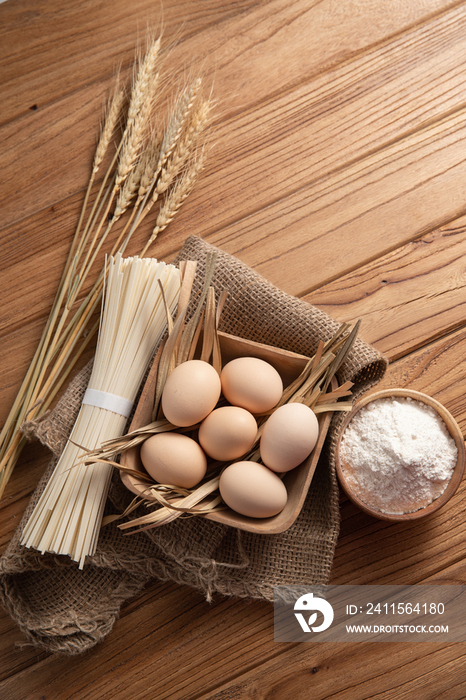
338,171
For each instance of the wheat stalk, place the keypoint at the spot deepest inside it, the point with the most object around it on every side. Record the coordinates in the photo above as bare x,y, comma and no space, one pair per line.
178,157
175,199
182,152
145,82
133,169
179,119
149,166
113,116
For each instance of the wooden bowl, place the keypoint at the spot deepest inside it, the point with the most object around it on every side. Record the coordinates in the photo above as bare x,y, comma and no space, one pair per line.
454,431
297,481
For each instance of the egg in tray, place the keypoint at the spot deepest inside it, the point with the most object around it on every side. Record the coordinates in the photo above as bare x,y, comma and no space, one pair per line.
234,425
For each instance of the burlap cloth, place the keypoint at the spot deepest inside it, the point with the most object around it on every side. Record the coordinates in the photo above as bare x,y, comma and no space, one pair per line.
63,609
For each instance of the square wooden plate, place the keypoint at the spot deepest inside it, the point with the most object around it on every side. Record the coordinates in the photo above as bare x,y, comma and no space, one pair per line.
297,481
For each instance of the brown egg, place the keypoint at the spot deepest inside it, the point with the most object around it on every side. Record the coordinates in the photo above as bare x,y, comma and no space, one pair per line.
252,384
190,393
289,436
173,458
251,489
228,433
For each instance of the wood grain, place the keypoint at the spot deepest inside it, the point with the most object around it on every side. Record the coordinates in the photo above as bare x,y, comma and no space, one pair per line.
336,169
310,115
89,42
375,204
415,291
231,45
387,673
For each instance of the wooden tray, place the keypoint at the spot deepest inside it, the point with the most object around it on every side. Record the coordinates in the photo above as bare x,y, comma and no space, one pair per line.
297,481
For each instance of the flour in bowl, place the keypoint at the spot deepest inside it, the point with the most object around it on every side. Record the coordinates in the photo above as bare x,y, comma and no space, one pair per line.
397,455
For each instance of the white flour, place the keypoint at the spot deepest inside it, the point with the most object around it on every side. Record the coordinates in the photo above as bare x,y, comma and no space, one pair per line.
397,455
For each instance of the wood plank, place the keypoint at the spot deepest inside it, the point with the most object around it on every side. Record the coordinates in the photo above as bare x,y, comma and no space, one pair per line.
366,209
372,671
437,369
349,553
88,42
49,250
403,270
380,562
413,561
385,553
335,118
14,655
376,670
172,642
226,50
17,355
281,165
406,298
30,467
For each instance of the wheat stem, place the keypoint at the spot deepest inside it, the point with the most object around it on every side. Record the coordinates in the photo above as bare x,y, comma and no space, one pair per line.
35,372
141,169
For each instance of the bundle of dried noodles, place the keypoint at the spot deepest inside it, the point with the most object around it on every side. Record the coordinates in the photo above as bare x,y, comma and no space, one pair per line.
138,294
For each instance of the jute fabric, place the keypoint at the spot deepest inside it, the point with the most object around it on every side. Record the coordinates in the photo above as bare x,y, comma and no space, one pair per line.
66,610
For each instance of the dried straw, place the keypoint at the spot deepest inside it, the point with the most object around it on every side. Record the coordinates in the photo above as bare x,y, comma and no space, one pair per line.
310,387
127,184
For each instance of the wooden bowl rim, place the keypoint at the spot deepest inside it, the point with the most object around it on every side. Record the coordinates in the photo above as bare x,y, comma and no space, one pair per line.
453,429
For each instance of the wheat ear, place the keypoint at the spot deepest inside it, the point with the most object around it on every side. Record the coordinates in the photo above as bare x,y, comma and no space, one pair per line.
184,131
183,150
113,115
139,111
176,197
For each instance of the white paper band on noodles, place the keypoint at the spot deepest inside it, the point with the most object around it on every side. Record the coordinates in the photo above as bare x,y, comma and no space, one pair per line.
110,402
